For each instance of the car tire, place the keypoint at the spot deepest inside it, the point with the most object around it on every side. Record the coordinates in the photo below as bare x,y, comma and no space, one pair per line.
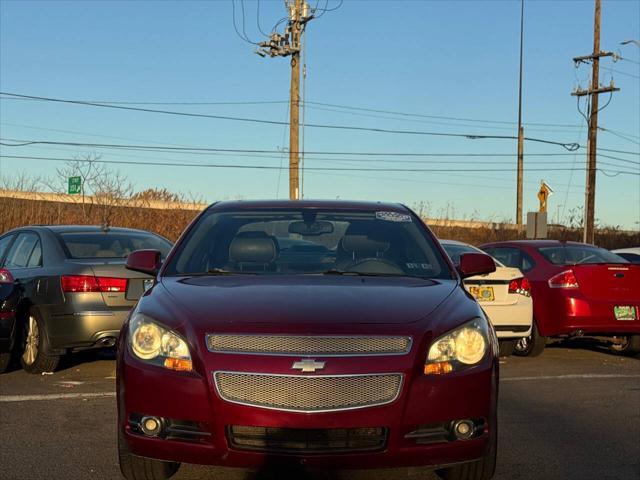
34,357
134,467
630,346
506,347
5,361
482,469
530,346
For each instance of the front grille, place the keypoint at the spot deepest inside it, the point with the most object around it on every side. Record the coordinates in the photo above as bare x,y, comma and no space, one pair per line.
308,345
308,441
308,393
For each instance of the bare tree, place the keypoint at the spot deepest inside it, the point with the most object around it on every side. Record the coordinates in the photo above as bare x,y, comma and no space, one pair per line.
110,191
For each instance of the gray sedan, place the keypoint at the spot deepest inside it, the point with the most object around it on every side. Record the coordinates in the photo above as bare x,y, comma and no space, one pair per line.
75,290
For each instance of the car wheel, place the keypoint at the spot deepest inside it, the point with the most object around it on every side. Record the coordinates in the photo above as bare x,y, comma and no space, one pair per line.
506,347
482,469
5,361
142,468
34,358
530,346
629,346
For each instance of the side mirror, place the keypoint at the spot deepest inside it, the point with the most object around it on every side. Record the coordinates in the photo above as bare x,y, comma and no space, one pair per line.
145,261
475,264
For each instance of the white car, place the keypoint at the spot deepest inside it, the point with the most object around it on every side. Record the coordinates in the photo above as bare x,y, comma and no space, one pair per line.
505,295
632,254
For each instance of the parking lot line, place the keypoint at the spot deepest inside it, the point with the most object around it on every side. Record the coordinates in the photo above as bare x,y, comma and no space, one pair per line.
566,377
53,396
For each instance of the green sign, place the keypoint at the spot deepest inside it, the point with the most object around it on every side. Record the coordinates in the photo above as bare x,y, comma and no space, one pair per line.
75,185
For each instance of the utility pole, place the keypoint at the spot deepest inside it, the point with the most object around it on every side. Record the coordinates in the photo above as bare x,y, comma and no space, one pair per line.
520,129
294,101
593,91
284,45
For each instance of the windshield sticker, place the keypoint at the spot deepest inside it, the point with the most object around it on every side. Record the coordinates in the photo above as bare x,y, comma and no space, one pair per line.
419,266
393,216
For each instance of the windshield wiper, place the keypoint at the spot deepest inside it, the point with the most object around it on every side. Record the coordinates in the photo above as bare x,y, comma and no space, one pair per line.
222,271
215,271
335,271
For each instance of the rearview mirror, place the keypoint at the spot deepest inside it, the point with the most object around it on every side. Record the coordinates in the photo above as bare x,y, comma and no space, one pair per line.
145,261
475,264
307,229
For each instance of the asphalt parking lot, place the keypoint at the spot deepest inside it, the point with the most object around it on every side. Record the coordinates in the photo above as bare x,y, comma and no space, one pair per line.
572,413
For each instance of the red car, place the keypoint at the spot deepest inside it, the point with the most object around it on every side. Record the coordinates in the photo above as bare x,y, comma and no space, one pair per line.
323,334
577,290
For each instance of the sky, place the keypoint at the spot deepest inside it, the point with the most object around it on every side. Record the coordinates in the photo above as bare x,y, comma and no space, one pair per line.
430,59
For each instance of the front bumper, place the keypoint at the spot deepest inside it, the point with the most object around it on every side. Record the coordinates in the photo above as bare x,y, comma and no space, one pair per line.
153,391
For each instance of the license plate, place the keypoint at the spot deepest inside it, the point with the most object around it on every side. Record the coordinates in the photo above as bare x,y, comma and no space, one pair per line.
625,312
482,294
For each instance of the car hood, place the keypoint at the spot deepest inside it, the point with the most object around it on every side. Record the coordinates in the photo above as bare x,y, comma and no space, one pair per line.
228,302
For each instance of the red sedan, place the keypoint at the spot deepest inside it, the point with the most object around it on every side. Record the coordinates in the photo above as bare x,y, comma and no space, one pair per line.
577,290
325,334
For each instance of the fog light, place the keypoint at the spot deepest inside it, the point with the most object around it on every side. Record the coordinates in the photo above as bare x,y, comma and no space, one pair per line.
463,429
151,426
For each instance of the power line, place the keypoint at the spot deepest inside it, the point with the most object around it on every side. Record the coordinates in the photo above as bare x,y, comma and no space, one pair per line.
568,146
258,20
619,135
122,102
243,36
270,167
627,60
21,143
622,73
474,176
311,104
184,149
441,117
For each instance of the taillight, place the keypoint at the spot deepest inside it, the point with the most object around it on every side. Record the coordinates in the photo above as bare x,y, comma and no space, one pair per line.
88,283
5,276
566,279
521,286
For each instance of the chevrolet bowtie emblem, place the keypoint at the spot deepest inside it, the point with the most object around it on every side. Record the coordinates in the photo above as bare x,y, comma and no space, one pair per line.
308,365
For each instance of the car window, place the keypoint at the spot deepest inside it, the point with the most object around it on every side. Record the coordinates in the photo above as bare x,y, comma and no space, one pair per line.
579,254
111,244
632,257
454,250
21,250
4,244
35,260
308,241
511,257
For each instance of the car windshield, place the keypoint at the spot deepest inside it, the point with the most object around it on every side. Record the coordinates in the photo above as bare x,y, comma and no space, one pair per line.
579,254
308,241
454,250
111,244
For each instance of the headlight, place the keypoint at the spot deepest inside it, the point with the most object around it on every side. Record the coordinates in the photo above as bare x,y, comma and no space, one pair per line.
463,347
158,345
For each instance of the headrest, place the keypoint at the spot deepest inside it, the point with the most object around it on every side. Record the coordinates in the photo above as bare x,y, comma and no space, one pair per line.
363,240
253,247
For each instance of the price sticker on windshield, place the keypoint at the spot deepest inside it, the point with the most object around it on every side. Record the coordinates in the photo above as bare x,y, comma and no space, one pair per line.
393,217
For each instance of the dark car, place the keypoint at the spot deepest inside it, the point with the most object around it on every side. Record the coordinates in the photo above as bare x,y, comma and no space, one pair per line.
9,297
578,290
327,334
75,290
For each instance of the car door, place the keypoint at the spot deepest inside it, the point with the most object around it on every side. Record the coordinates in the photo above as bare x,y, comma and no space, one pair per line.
24,260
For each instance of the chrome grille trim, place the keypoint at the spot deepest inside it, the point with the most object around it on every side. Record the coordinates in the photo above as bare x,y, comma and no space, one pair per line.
311,393
308,345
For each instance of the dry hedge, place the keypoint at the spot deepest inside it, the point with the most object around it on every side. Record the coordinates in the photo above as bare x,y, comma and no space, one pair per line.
171,222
